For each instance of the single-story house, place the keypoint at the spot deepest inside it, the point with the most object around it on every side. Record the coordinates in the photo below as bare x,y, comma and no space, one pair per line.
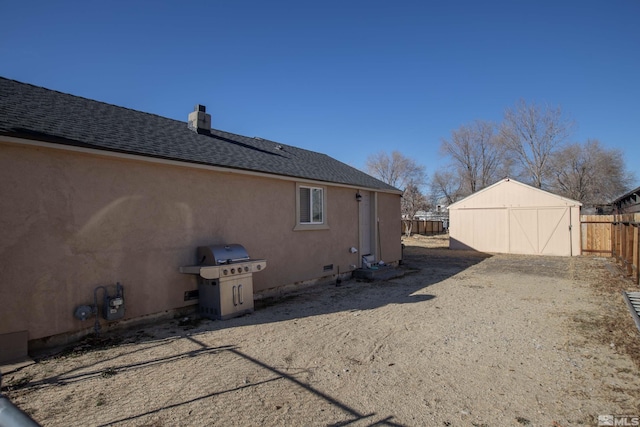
512,217
628,202
95,194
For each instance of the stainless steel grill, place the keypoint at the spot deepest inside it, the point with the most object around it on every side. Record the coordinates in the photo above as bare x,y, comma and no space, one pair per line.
225,280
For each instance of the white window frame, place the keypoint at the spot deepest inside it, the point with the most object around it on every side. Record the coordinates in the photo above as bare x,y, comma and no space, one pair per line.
323,225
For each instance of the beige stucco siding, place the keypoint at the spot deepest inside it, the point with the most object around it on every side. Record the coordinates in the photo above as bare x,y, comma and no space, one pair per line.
71,222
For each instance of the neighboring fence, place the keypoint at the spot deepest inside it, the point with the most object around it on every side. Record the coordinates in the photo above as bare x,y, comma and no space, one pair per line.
613,235
420,226
596,234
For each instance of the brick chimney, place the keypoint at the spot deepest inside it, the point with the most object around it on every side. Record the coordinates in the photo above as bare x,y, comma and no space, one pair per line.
199,120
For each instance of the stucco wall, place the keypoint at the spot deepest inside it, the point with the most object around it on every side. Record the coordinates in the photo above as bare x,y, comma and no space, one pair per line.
71,222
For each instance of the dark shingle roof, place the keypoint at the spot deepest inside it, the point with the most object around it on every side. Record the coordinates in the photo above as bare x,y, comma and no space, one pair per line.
33,112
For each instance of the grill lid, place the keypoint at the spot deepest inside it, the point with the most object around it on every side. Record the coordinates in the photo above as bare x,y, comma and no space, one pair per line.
221,254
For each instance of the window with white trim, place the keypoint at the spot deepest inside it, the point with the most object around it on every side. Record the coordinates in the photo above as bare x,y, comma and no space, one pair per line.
311,207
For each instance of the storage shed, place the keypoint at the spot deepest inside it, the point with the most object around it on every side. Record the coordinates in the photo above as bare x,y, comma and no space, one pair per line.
512,217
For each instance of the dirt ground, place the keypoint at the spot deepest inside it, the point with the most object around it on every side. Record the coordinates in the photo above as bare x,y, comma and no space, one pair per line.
463,339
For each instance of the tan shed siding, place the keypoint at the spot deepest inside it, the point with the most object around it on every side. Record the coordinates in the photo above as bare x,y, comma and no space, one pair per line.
553,231
77,221
523,232
479,229
510,217
512,194
540,231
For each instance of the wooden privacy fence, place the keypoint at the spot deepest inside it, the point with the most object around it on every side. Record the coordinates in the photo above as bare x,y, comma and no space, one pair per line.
596,234
420,226
613,235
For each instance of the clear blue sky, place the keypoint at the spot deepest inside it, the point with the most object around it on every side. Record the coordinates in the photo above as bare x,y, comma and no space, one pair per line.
348,78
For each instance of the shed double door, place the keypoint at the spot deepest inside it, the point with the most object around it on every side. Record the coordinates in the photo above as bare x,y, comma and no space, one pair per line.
542,231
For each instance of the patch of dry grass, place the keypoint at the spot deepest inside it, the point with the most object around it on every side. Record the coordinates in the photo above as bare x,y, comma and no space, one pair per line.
613,324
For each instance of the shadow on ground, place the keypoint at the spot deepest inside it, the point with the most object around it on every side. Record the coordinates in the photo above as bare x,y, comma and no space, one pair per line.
341,413
422,267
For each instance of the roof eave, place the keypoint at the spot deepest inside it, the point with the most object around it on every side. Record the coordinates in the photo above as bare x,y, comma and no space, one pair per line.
58,143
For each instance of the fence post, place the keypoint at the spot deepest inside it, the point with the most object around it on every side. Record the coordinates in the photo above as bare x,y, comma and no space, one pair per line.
620,244
614,240
637,253
636,250
623,250
617,239
630,247
628,256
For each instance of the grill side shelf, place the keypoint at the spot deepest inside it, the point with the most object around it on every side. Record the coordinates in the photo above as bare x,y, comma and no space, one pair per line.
207,272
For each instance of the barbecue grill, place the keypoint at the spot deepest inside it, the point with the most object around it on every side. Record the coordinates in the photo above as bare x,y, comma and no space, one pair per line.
225,280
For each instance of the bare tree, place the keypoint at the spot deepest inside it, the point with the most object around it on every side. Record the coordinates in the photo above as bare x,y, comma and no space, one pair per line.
590,173
403,173
446,185
475,154
412,202
395,169
532,134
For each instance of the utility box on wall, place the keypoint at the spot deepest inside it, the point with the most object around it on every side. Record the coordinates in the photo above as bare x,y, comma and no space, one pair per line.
113,308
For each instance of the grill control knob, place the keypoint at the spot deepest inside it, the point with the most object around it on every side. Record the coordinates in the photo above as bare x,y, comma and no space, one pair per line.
259,267
233,270
246,269
225,272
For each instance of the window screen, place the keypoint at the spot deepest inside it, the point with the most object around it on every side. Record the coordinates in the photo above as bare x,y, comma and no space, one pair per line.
311,205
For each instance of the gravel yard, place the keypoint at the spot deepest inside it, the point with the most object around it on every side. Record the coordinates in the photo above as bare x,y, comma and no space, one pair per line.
463,339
